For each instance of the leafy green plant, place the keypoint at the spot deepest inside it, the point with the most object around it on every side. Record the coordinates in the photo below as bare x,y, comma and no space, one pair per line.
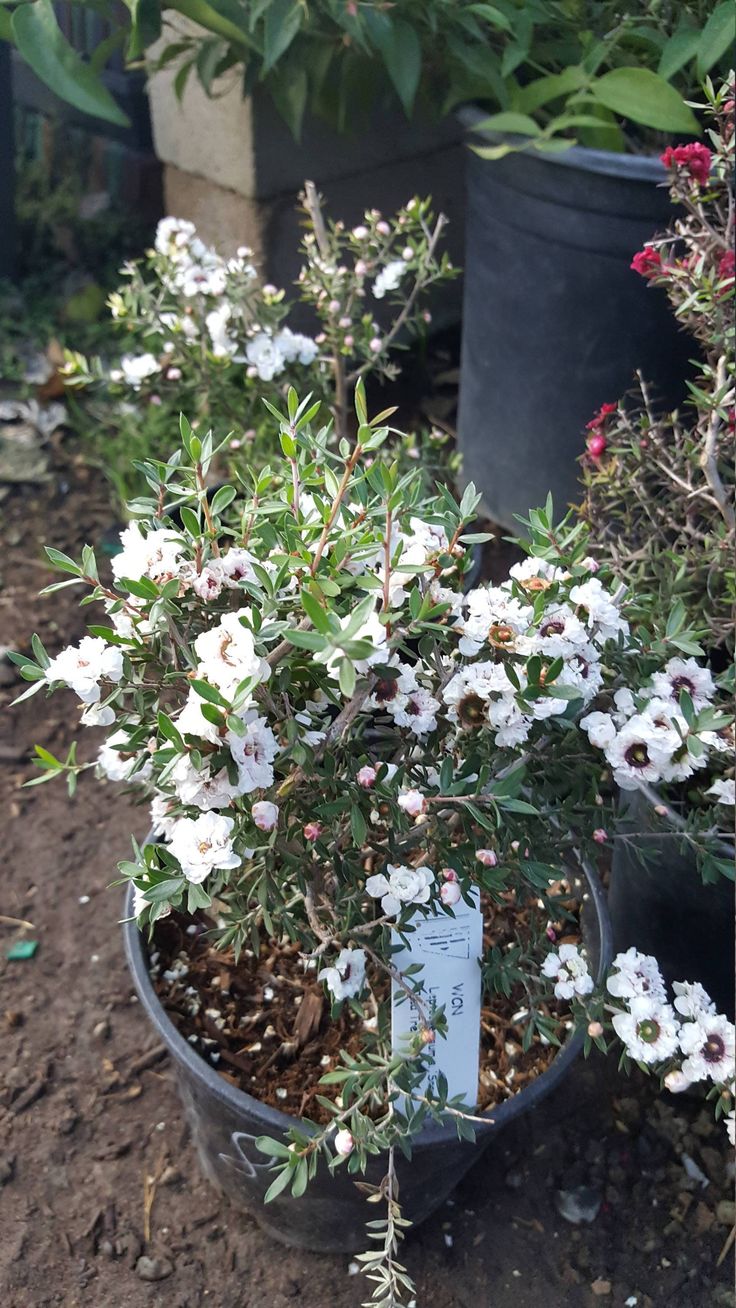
555,69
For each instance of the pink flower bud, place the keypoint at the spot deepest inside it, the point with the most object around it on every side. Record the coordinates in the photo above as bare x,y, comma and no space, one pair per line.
344,1143
407,254
366,777
661,810
487,857
595,1030
515,846
334,306
360,233
155,399
550,932
312,831
600,836
349,342
383,228
265,814
450,893
173,374
375,345
597,445
344,322
449,874
361,268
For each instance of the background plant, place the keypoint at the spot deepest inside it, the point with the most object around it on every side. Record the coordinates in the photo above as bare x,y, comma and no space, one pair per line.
659,497
561,67
202,334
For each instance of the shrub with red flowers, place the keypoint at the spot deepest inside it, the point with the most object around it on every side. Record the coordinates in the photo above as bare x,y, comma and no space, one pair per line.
660,487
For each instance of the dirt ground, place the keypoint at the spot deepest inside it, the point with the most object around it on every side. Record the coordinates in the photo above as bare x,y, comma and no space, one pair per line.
86,1118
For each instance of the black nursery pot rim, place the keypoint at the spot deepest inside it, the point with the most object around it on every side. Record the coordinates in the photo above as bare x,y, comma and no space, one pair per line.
632,167
280,1123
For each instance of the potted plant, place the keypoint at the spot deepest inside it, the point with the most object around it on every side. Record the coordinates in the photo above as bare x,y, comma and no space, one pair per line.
659,500
201,332
374,798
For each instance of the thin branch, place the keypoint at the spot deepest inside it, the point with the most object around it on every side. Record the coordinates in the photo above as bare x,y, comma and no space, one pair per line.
709,455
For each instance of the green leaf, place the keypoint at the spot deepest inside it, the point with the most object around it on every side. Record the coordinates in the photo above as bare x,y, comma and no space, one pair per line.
644,97
283,20
315,612
358,827
208,692
281,1182
45,48
222,498
305,639
520,124
401,52
717,37
347,677
222,18
553,87
145,25
678,51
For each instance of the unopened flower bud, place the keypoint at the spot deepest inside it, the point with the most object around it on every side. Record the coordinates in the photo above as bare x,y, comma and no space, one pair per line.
344,1143
450,893
427,1035
661,810
597,445
312,831
449,874
360,233
366,776
595,1030
676,1081
375,345
265,814
487,857
600,836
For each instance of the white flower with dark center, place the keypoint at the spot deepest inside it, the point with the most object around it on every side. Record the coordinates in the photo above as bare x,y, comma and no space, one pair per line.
708,1045
203,790
558,630
254,752
346,977
119,762
135,368
635,975
400,886
692,1000
723,791
295,347
227,654
648,1030
82,666
200,845
684,674
598,611
469,693
534,574
570,971
205,276
600,728
641,751
155,554
417,711
236,566
264,355
389,278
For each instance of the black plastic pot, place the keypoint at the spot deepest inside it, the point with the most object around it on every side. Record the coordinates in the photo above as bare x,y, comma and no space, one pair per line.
659,904
330,1217
554,320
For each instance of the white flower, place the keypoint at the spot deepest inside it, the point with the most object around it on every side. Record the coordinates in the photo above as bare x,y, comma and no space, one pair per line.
731,1126
535,574
227,654
402,885
413,803
162,821
723,791
118,761
135,368
224,346
389,278
416,711
203,790
570,970
156,554
599,612
264,355
202,844
295,347
82,666
559,629
254,752
95,715
708,1044
265,814
684,674
346,977
173,236
692,999
636,975
202,278
600,728
192,722
344,1143
493,617
648,1030
641,751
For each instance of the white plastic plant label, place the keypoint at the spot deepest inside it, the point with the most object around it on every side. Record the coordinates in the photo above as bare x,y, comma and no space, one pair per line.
449,949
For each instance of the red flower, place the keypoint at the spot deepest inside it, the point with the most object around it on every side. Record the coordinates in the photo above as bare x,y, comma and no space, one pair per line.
647,262
694,158
597,445
604,412
727,266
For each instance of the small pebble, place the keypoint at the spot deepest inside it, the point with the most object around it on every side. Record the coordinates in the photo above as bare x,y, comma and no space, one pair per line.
84,899
600,1287
268,993
448,1240
281,1093
353,1269
153,1269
